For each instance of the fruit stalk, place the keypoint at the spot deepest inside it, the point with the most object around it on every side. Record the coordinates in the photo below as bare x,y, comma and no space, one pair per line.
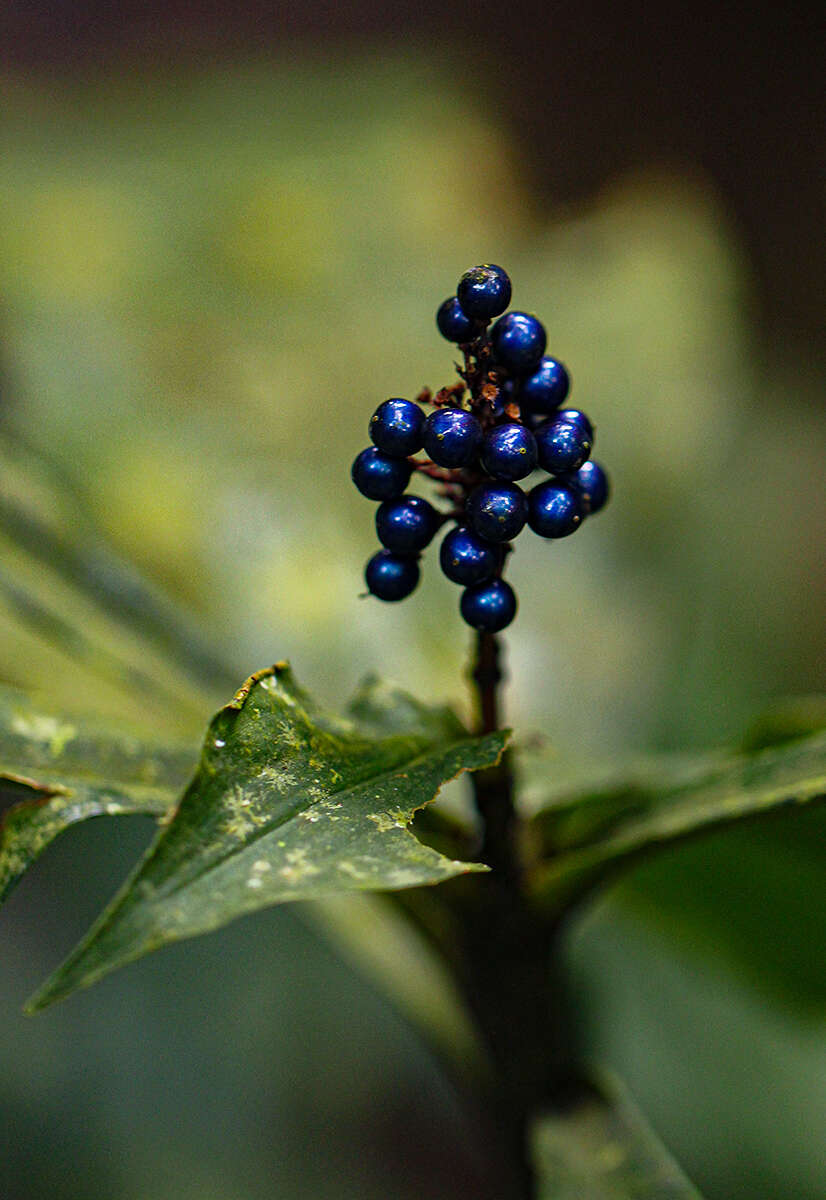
507,947
494,787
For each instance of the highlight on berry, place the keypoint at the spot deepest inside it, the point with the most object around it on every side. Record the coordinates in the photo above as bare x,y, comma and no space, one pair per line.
502,420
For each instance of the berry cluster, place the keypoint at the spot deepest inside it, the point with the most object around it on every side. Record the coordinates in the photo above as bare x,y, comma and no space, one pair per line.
501,422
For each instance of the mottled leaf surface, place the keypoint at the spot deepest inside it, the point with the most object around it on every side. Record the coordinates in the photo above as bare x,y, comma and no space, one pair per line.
602,1149
58,770
587,834
288,803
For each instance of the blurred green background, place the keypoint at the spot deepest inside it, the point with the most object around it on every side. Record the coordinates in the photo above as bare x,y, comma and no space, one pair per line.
209,277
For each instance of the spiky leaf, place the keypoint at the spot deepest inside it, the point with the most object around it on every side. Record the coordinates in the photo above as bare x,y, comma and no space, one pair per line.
288,803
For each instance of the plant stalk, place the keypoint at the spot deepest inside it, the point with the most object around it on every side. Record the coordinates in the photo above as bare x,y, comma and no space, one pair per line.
494,787
496,933
510,961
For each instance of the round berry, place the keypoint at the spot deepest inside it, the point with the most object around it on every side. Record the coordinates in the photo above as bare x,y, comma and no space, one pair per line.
466,558
406,525
592,484
554,509
518,341
563,447
397,427
453,324
391,576
497,511
452,437
545,390
489,606
378,476
575,416
509,451
484,292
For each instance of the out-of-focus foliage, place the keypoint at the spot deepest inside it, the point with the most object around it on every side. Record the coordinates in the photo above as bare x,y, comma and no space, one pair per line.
207,282
57,771
602,1149
588,834
109,635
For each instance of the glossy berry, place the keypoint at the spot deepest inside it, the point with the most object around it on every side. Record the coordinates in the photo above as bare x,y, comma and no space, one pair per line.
575,416
489,606
518,342
554,509
452,437
512,421
397,427
563,447
484,292
466,558
546,389
509,451
497,511
391,576
406,525
593,486
453,324
378,476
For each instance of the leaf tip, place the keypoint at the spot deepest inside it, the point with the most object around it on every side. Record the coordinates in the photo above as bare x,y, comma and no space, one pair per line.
65,980
42,999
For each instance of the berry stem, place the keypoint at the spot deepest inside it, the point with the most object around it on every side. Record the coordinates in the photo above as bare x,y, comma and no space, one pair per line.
506,947
494,787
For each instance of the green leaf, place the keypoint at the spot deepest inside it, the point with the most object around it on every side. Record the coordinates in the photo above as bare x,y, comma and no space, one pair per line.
58,770
63,589
585,836
598,1148
786,720
288,803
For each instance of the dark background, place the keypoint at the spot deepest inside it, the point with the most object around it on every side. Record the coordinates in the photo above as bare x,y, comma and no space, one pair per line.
589,90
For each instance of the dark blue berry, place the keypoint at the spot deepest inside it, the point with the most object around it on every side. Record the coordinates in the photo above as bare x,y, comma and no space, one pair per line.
452,437
497,511
554,509
563,447
518,342
575,416
391,576
378,476
509,451
484,292
489,606
465,558
406,525
545,390
397,427
592,484
454,325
